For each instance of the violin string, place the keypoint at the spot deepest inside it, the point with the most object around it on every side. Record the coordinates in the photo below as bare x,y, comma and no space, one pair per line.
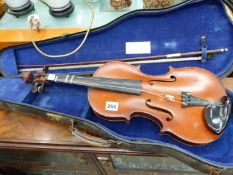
175,99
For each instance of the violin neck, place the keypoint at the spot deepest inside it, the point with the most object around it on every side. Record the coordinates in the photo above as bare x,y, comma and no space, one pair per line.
111,84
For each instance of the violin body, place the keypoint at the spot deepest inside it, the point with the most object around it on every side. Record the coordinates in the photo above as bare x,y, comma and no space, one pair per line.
162,100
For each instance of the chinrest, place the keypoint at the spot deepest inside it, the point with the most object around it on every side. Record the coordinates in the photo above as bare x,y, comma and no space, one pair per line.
217,116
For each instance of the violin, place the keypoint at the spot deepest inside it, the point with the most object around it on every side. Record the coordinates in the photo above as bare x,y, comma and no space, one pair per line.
190,104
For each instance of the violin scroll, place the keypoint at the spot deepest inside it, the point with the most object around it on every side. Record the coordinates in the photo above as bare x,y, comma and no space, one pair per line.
38,81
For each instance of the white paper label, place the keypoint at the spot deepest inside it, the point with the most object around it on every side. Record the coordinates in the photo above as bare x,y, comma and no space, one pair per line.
51,77
111,106
138,47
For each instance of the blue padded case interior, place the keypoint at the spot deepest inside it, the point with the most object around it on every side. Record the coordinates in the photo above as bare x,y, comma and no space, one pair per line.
176,31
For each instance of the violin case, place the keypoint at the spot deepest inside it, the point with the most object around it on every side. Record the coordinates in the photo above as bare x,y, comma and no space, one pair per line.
178,28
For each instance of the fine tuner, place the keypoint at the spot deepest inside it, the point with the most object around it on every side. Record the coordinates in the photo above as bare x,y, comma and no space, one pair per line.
182,102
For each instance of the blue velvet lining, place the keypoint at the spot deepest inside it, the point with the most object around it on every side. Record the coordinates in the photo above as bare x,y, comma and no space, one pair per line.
178,31
9,66
14,89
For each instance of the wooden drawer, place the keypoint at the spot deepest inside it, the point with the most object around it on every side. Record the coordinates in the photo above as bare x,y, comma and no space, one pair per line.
41,162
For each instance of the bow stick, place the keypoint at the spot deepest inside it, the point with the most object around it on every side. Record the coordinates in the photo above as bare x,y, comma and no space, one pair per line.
177,57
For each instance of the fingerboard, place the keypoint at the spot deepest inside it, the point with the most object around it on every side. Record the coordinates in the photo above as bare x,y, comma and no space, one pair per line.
111,84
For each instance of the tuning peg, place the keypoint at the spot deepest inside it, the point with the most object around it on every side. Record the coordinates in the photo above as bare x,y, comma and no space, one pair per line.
27,77
34,89
40,89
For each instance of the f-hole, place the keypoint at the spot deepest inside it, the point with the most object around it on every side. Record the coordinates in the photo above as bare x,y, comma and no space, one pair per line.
172,78
150,105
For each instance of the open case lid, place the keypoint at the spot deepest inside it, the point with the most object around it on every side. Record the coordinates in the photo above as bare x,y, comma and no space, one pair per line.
171,32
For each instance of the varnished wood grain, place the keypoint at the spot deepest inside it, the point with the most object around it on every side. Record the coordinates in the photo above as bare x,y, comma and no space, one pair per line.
22,131
25,127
